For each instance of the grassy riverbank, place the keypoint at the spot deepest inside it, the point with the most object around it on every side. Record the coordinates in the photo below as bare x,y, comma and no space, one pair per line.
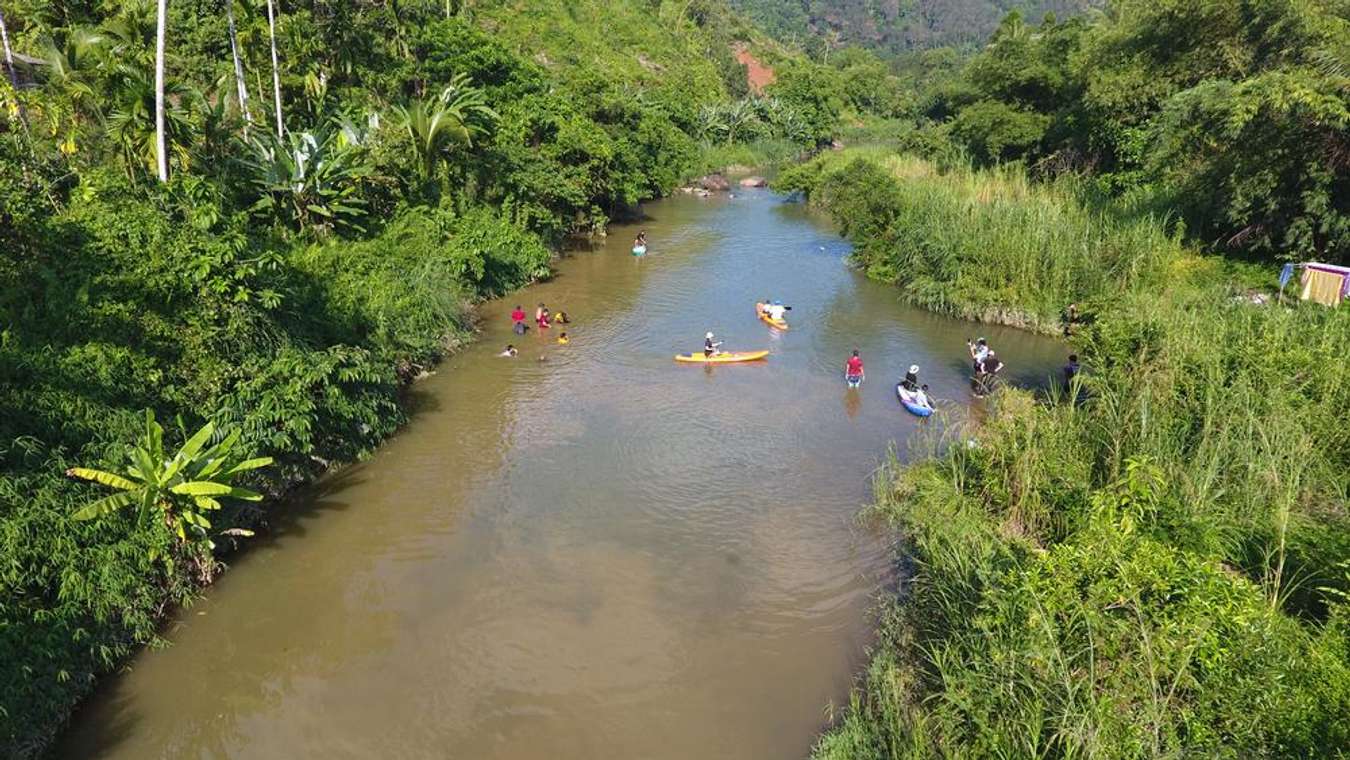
1158,569
986,245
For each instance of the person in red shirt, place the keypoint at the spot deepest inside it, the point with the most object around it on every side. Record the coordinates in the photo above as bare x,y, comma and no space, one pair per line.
853,370
518,315
543,318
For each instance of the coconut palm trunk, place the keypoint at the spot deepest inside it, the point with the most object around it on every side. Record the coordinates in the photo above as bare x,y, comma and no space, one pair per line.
161,156
276,72
9,54
240,88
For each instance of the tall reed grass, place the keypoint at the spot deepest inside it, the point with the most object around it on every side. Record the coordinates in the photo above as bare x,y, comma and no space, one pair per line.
1148,564
987,245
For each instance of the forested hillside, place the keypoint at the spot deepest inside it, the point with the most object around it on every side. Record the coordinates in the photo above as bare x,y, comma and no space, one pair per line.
893,27
333,185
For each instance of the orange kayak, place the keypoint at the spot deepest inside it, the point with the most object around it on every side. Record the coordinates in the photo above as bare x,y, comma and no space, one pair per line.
781,324
728,357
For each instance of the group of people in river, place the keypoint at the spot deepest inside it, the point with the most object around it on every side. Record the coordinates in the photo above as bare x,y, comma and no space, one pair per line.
986,366
543,320
985,362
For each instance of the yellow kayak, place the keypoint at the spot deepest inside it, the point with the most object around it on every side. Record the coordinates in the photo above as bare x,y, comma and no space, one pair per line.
722,358
781,324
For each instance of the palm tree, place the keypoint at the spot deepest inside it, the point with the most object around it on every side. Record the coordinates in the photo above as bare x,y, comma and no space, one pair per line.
161,154
9,55
133,125
452,118
71,67
276,72
240,88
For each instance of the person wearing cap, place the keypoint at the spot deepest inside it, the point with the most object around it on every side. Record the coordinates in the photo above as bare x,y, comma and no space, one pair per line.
911,381
776,310
709,347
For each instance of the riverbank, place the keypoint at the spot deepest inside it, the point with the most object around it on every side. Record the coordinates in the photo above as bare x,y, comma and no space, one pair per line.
988,246
1123,568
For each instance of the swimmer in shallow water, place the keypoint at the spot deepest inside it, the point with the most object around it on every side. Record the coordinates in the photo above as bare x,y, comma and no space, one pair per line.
508,352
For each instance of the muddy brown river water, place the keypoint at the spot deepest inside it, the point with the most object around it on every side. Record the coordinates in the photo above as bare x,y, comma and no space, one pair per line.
604,554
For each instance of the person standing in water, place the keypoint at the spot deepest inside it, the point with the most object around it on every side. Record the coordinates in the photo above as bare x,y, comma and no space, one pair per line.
853,370
978,350
986,372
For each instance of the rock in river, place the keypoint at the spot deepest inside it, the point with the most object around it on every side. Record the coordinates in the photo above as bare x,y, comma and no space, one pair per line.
714,182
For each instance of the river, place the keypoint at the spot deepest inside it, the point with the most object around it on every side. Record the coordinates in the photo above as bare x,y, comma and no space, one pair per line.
602,554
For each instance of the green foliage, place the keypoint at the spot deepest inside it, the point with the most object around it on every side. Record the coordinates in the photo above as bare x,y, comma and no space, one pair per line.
1292,198
284,288
996,132
893,29
813,92
174,492
978,243
309,180
1235,112
1121,569
454,117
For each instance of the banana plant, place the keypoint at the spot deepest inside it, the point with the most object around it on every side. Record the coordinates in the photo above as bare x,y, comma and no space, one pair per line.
179,489
310,179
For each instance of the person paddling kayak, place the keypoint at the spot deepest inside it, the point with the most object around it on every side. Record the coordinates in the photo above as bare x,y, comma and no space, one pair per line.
710,347
853,370
911,381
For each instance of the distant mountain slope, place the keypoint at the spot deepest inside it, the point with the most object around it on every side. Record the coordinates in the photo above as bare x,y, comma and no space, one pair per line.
897,26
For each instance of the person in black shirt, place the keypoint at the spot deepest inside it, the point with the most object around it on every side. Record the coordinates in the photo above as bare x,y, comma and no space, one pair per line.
911,381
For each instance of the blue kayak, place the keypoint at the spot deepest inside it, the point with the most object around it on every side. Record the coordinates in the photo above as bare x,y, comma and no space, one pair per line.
908,401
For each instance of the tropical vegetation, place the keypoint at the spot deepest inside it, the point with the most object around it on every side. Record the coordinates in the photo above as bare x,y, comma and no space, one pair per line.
231,230
1153,559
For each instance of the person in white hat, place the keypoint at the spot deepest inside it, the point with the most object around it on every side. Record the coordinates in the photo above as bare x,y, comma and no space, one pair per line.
911,381
709,347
